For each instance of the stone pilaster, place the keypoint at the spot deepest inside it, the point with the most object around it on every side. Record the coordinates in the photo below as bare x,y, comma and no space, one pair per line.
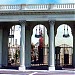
28,48
1,31
5,47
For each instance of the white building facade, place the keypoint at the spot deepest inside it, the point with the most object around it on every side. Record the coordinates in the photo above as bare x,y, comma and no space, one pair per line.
28,16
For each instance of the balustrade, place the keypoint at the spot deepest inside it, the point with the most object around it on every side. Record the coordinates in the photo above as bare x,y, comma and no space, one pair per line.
65,6
37,6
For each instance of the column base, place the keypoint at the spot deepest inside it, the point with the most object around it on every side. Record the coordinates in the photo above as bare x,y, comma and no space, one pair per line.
22,68
51,68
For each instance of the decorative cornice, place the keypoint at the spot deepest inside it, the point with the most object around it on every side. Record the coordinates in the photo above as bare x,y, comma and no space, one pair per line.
37,12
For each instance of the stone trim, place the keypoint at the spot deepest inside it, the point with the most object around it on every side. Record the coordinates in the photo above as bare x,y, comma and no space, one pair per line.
37,12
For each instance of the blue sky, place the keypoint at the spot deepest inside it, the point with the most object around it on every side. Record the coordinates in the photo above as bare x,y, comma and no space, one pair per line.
35,1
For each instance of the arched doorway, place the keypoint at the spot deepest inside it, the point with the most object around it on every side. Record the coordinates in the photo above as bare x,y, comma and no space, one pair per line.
65,44
14,46
39,46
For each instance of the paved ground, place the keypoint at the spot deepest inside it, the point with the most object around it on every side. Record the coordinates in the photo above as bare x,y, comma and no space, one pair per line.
37,72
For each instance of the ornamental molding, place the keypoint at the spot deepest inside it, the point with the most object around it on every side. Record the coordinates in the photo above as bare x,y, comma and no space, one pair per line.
22,22
51,22
41,12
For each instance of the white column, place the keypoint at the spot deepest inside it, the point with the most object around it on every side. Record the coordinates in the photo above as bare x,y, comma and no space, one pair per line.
45,50
51,47
70,56
22,49
45,55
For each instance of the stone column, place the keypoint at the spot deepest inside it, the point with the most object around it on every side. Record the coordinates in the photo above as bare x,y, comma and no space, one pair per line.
70,56
45,55
22,49
51,47
45,49
5,47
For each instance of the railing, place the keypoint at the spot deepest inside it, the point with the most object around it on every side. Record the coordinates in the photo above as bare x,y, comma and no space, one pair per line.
37,6
65,6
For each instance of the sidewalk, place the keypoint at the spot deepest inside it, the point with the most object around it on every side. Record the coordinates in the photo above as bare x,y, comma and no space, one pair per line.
37,72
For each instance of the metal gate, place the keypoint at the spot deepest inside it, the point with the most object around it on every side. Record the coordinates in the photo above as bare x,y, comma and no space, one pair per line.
39,56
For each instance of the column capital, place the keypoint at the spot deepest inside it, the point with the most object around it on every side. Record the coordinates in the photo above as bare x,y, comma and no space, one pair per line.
22,21
51,21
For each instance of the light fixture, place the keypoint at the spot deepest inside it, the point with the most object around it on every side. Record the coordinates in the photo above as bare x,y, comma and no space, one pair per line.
66,35
40,32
